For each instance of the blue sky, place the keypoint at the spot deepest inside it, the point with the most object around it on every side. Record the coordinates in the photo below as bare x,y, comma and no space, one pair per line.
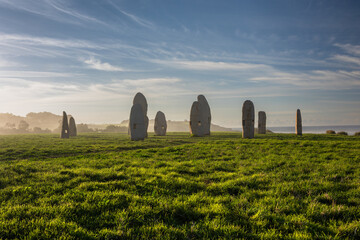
90,58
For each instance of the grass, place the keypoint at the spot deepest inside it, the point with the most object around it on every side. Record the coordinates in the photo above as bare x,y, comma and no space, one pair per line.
103,186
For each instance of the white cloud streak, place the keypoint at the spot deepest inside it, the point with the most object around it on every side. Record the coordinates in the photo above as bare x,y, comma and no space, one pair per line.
209,65
347,59
44,41
351,49
324,80
134,18
98,65
33,74
52,9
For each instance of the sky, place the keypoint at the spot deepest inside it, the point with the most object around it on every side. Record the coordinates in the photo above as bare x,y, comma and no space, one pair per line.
90,58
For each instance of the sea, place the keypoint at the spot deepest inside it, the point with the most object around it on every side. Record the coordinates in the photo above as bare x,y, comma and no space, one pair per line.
350,129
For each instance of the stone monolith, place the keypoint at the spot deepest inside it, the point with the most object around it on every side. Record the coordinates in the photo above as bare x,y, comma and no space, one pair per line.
160,124
205,114
248,119
64,126
137,123
72,127
140,99
196,125
298,124
262,122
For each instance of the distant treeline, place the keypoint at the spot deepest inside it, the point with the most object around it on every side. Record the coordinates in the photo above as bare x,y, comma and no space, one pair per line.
43,122
46,122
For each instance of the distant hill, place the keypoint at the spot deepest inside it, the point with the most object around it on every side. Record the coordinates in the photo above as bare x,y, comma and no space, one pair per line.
44,120
47,120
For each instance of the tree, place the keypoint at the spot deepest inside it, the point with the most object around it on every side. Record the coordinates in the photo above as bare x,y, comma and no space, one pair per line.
81,128
23,125
10,125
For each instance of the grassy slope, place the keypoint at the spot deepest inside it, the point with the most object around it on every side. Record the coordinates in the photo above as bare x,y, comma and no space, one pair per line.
105,186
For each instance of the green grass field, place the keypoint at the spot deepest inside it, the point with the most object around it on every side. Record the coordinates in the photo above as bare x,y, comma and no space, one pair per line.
103,186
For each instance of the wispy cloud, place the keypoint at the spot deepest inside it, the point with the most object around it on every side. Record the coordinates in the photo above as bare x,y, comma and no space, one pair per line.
59,6
17,89
317,79
33,74
52,9
351,49
98,65
5,63
44,41
136,19
150,81
209,65
347,59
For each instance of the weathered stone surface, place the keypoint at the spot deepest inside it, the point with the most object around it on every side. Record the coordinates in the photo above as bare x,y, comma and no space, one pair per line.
146,120
137,123
298,124
160,124
196,125
72,127
64,126
262,123
248,119
141,100
205,114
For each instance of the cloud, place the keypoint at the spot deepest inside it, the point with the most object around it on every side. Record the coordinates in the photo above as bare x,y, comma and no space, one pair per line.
5,63
44,41
134,18
209,65
61,8
24,92
155,87
351,49
317,79
98,65
150,81
347,59
33,74
51,9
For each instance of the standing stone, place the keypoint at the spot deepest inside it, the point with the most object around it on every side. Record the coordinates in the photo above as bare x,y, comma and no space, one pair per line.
298,124
72,127
262,123
205,114
140,99
196,125
248,119
137,123
64,126
160,124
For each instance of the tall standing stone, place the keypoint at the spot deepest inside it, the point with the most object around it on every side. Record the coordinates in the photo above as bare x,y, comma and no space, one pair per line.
137,123
298,124
196,125
262,123
64,126
205,114
140,99
72,127
160,124
248,119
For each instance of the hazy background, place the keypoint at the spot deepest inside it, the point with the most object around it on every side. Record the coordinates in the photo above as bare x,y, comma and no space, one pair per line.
90,57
